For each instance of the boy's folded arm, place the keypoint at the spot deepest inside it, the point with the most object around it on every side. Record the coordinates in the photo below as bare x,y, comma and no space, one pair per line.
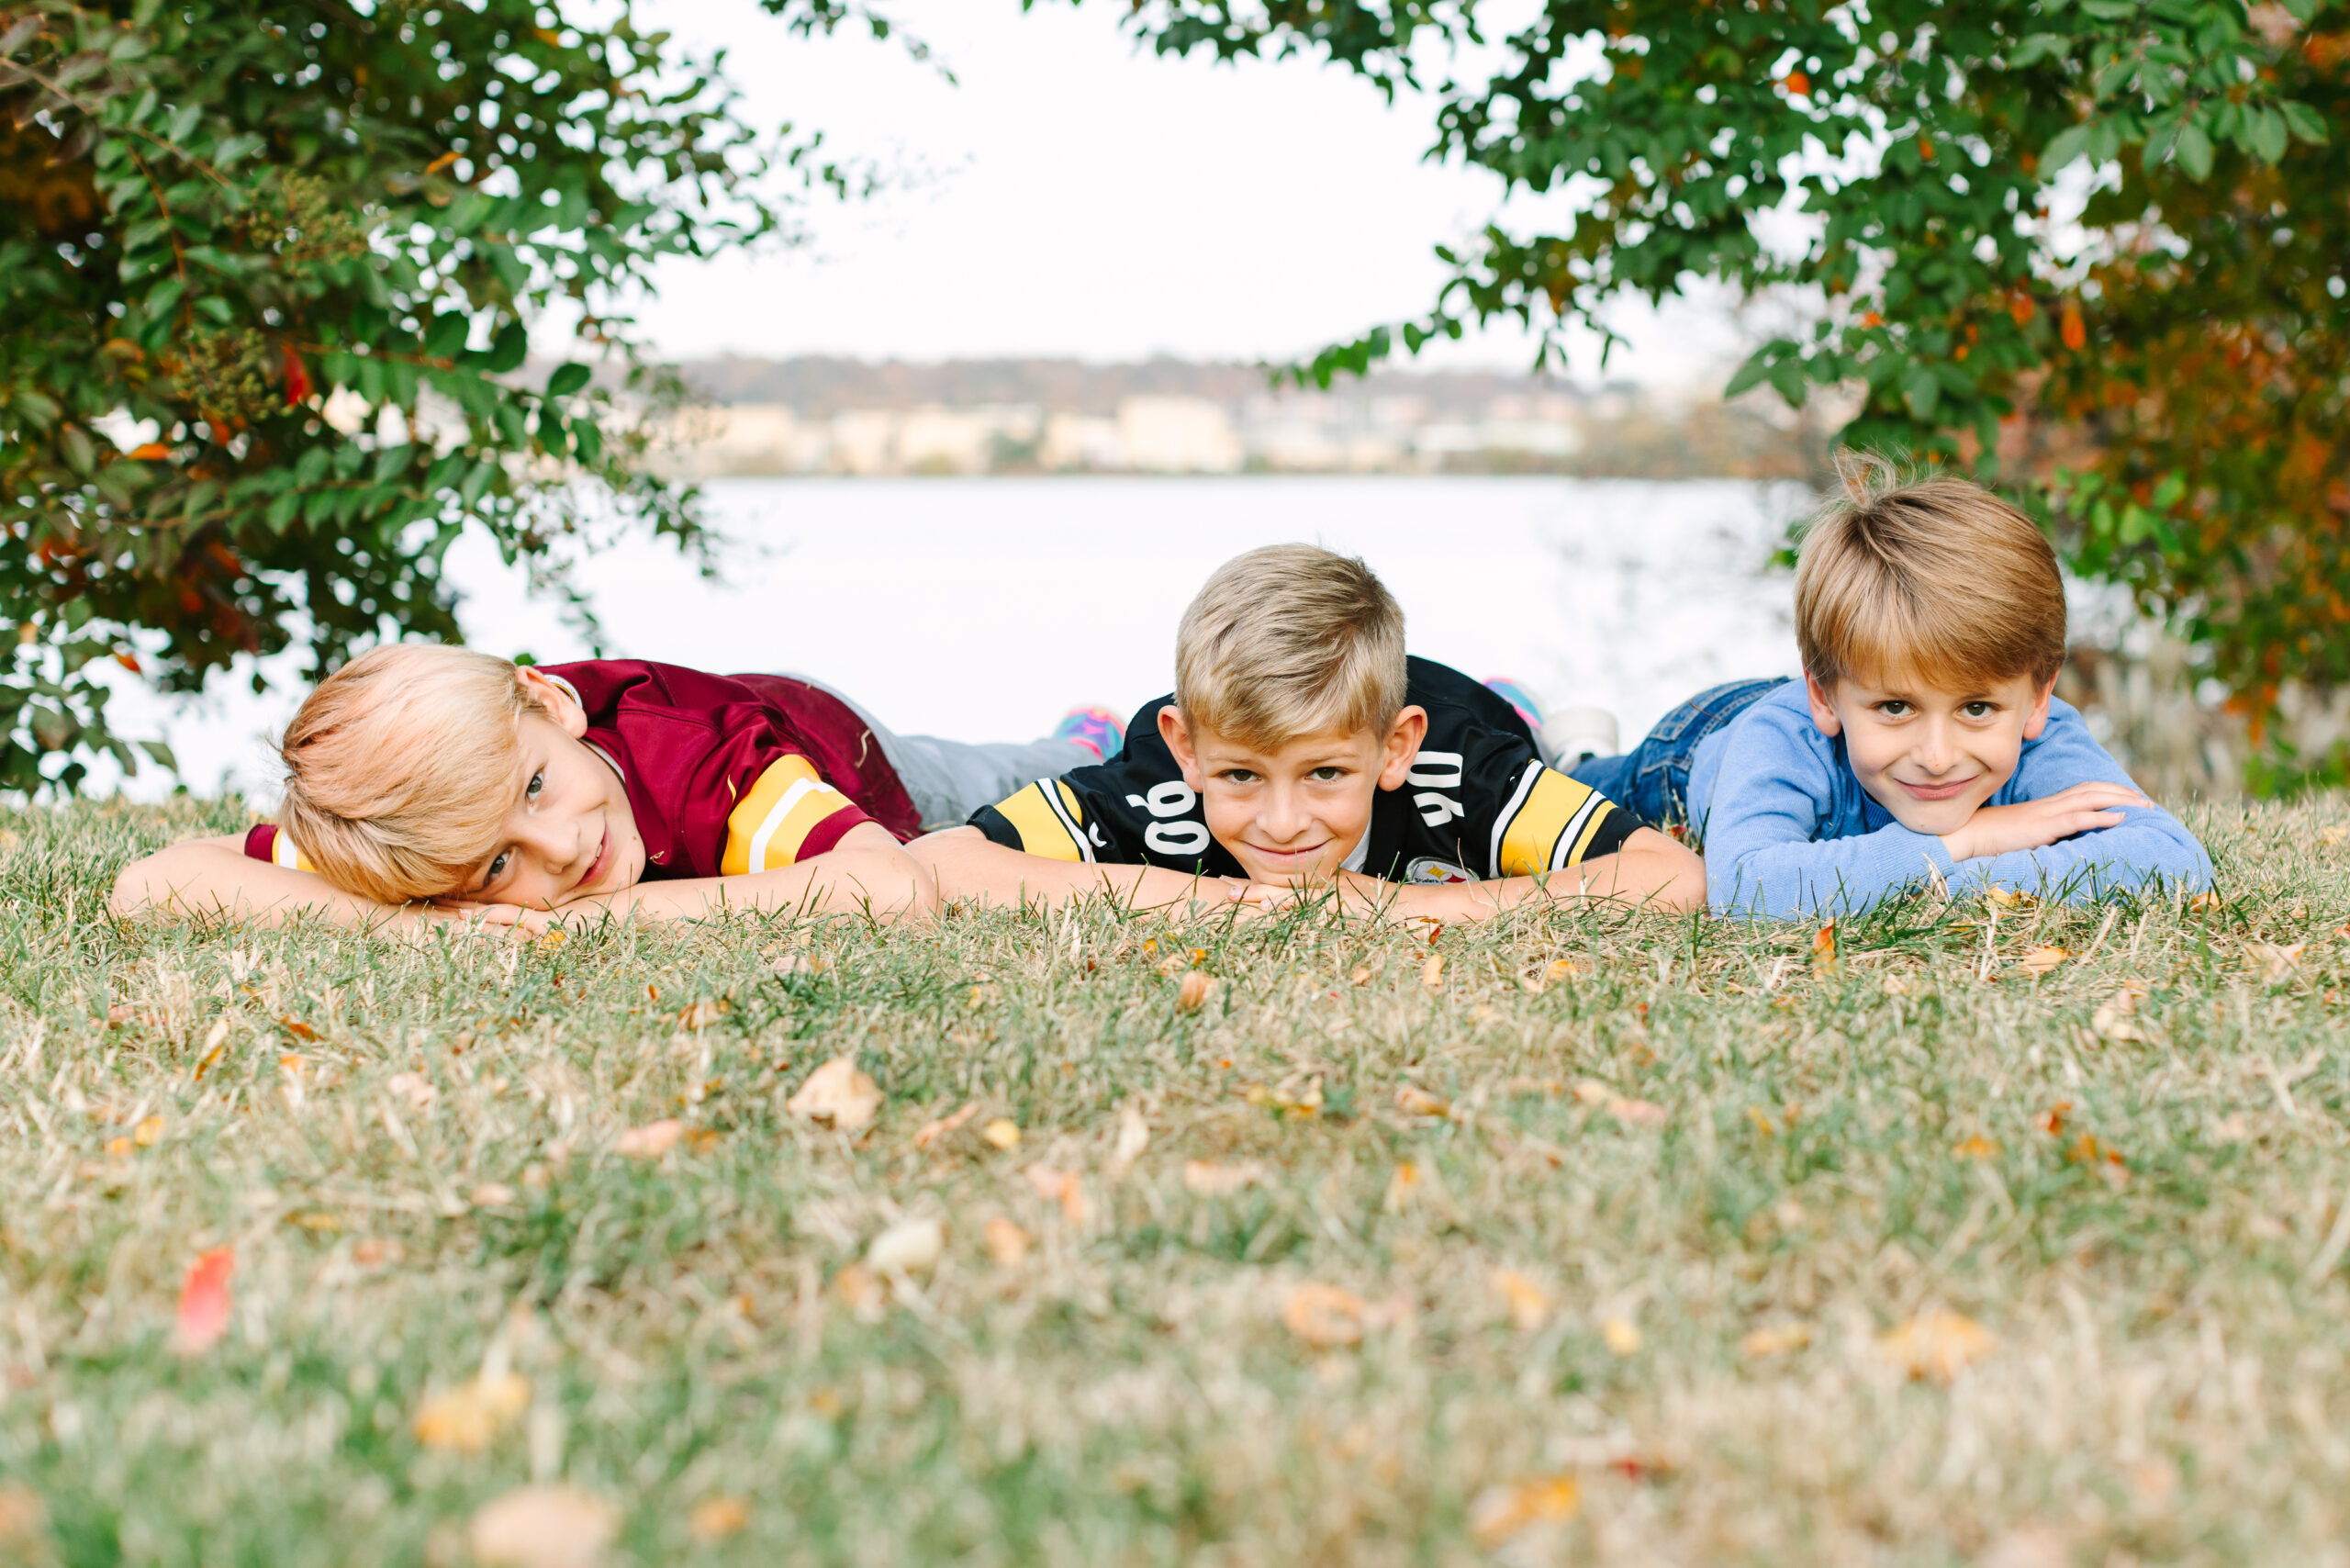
216,876
973,868
868,872
2147,845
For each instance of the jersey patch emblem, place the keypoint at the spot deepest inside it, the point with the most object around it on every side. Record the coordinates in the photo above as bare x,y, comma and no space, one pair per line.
1427,871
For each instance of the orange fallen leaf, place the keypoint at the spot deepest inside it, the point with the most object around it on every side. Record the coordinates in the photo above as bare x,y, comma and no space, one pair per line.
296,1028
543,1526
1976,1147
701,1015
2040,960
1003,1132
1062,1187
1007,1243
715,1518
1432,973
1528,1303
468,1416
1415,1101
1775,1339
2052,1121
1323,1316
1824,954
652,1140
1402,1186
1500,1513
1197,984
1205,1179
1936,1345
204,1302
836,1095
932,1131
149,1132
2114,1018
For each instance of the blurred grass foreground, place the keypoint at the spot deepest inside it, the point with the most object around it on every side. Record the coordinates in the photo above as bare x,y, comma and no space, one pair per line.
2008,1234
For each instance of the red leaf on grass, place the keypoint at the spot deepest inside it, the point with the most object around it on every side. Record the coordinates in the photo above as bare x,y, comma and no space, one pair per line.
204,1302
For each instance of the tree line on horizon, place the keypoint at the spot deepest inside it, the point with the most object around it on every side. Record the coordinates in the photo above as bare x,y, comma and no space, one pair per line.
2092,252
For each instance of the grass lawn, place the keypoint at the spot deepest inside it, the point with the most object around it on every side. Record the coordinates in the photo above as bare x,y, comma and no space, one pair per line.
1607,1238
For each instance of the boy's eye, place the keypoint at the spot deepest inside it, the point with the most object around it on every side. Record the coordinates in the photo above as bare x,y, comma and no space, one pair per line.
1977,709
1239,776
497,867
538,782
1893,708
1329,773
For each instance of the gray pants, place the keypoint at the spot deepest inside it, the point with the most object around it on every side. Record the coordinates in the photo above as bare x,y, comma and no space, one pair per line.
950,780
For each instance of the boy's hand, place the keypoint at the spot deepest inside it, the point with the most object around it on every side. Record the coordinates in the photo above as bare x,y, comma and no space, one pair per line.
2035,824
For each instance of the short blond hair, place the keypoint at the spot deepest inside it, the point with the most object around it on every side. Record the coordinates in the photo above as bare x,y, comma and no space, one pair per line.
1287,641
1933,578
398,769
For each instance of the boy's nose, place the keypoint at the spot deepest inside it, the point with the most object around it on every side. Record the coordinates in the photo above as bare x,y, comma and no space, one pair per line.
1285,815
1937,751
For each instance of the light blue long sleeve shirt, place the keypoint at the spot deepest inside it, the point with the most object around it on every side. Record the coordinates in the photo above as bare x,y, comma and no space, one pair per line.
1788,830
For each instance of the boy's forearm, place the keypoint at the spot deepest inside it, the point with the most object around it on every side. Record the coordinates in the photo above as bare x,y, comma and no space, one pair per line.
854,879
216,876
973,868
1651,869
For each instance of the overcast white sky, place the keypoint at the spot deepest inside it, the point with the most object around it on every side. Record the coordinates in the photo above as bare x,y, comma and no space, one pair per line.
1068,195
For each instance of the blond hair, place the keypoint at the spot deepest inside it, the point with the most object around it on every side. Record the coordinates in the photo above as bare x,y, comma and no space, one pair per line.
398,766
1288,641
1932,578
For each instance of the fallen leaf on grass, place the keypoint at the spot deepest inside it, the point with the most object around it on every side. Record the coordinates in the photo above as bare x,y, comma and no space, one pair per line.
2277,963
1402,1187
908,1247
1528,1303
1621,1334
932,1131
543,1526
216,1044
1007,1243
652,1140
1824,954
149,1132
1628,1112
837,1095
1775,1339
2329,836
468,1416
204,1302
1501,1513
1432,973
2206,901
1415,1101
1323,1316
1976,1147
1004,1133
702,1015
715,1518
860,1287
1205,1179
2087,1150
2040,960
1194,993
1063,1187
1936,1345
296,1028
2113,1019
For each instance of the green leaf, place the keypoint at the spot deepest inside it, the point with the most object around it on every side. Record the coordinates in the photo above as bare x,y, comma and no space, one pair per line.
1922,390
81,452
2194,152
567,379
1750,375
2266,130
2305,122
509,348
2067,146
2037,48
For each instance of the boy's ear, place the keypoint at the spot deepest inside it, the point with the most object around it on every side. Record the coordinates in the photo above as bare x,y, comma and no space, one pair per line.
560,704
1823,711
1178,736
1404,745
2038,718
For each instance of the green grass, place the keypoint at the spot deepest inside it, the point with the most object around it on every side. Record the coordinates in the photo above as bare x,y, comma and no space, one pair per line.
2169,1380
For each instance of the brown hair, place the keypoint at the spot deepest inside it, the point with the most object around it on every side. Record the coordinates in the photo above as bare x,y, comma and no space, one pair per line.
1288,641
398,768
1931,577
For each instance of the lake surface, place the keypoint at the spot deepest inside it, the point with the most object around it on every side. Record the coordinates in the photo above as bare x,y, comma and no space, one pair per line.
983,609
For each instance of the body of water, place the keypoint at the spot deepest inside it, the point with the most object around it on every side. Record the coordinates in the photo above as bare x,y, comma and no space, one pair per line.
983,609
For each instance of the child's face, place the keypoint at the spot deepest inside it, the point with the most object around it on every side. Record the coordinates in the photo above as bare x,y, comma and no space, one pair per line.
1931,754
1292,813
570,834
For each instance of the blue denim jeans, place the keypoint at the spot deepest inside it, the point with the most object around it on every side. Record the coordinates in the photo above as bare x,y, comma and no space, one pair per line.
1651,781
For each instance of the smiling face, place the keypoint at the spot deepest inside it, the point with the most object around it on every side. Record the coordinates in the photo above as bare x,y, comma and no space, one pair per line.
1294,813
569,834
1928,753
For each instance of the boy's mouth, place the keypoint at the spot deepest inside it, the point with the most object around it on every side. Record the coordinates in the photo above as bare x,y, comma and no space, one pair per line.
1955,788
603,859
1287,859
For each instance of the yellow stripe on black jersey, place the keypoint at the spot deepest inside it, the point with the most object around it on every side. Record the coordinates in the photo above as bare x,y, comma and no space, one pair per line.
1552,825
1048,820
768,826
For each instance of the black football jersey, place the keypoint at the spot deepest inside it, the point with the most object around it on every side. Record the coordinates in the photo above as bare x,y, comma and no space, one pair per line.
1478,804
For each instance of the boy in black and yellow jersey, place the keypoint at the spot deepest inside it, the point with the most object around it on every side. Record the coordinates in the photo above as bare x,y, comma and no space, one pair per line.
1303,752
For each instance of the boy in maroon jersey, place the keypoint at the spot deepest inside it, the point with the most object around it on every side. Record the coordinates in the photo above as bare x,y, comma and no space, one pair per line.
428,782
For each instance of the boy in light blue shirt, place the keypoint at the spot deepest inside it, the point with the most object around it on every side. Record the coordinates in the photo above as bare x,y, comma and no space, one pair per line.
1924,741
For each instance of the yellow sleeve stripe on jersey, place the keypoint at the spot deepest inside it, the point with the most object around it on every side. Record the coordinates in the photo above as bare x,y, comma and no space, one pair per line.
768,826
282,851
1048,820
1553,823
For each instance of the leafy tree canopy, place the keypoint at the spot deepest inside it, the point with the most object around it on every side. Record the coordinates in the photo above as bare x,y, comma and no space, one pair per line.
268,271
2094,248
